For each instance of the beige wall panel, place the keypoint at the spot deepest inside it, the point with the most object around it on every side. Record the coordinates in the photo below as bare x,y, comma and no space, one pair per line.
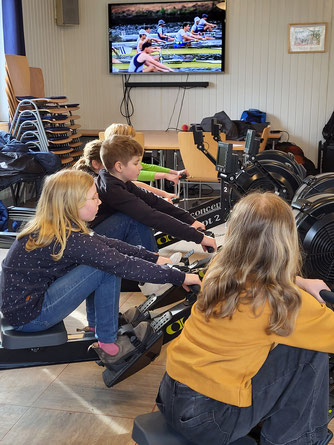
296,90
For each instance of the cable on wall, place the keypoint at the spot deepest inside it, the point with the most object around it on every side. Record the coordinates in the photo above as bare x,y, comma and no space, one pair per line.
126,107
181,107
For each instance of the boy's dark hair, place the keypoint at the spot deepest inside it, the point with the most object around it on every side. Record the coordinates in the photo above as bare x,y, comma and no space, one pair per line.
185,24
119,148
147,27
146,45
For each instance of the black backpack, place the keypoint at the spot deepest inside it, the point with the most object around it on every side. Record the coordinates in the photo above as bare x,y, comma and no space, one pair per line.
234,130
326,149
328,130
228,126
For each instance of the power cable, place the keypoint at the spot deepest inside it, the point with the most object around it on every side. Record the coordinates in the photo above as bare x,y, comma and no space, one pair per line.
126,107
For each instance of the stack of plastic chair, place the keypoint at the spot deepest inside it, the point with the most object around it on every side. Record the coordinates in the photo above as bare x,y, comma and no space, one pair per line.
44,123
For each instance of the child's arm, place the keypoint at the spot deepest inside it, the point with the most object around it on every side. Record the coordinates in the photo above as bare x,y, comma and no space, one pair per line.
179,172
155,190
198,225
151,172
145,175
312,286
146,208
155,168
119,258
314,327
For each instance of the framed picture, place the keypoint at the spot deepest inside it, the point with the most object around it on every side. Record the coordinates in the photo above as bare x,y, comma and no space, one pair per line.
307,37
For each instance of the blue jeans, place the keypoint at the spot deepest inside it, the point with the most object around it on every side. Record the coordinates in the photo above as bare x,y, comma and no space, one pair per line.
69,291
125,228
289,396
122,227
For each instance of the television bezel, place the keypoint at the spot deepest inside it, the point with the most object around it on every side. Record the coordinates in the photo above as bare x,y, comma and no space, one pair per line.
223,62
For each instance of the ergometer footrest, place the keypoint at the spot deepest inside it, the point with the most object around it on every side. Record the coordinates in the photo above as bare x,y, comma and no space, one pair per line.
165,327
143,355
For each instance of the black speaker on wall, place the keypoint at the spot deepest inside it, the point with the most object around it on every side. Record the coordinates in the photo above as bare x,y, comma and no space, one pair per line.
67,12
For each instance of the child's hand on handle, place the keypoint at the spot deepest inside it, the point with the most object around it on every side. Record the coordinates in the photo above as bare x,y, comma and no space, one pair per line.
190,279
312,286
169,197
163,260
183,173
198,225
171,177
209,244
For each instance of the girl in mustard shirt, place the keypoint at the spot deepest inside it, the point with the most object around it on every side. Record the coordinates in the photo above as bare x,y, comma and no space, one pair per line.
255,346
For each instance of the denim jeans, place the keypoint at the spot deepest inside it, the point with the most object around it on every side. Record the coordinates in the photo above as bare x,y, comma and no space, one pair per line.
122,227
125,228
69,291
289,396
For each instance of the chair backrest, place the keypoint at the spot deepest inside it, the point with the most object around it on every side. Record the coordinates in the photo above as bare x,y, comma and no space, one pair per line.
140,138
12,101
197,164
8,83
19,74
264,137
36,82
11,104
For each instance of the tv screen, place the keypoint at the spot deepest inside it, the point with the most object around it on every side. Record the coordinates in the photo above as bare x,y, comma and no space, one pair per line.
161,38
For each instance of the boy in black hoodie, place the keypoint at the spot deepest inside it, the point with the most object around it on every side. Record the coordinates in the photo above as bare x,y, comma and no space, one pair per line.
121,157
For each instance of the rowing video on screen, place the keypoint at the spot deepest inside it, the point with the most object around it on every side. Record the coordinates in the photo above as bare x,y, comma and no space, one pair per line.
167,37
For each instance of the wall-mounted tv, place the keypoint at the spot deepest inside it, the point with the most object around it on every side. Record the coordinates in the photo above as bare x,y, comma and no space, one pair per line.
178,37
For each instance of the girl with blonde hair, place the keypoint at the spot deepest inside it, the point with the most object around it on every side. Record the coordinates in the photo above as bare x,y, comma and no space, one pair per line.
90,161
224,374
57,262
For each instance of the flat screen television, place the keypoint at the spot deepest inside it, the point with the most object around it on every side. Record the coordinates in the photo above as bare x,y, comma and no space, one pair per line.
178,37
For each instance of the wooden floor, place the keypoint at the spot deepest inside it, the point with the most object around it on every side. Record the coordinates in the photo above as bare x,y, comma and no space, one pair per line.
69,404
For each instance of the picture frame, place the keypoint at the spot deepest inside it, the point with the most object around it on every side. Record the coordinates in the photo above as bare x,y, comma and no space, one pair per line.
307,37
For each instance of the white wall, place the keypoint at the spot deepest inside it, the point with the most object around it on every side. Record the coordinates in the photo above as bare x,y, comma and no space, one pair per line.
296,90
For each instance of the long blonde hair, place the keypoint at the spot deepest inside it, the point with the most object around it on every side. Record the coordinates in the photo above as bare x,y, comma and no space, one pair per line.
91,153
258,263
57,212
120,130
